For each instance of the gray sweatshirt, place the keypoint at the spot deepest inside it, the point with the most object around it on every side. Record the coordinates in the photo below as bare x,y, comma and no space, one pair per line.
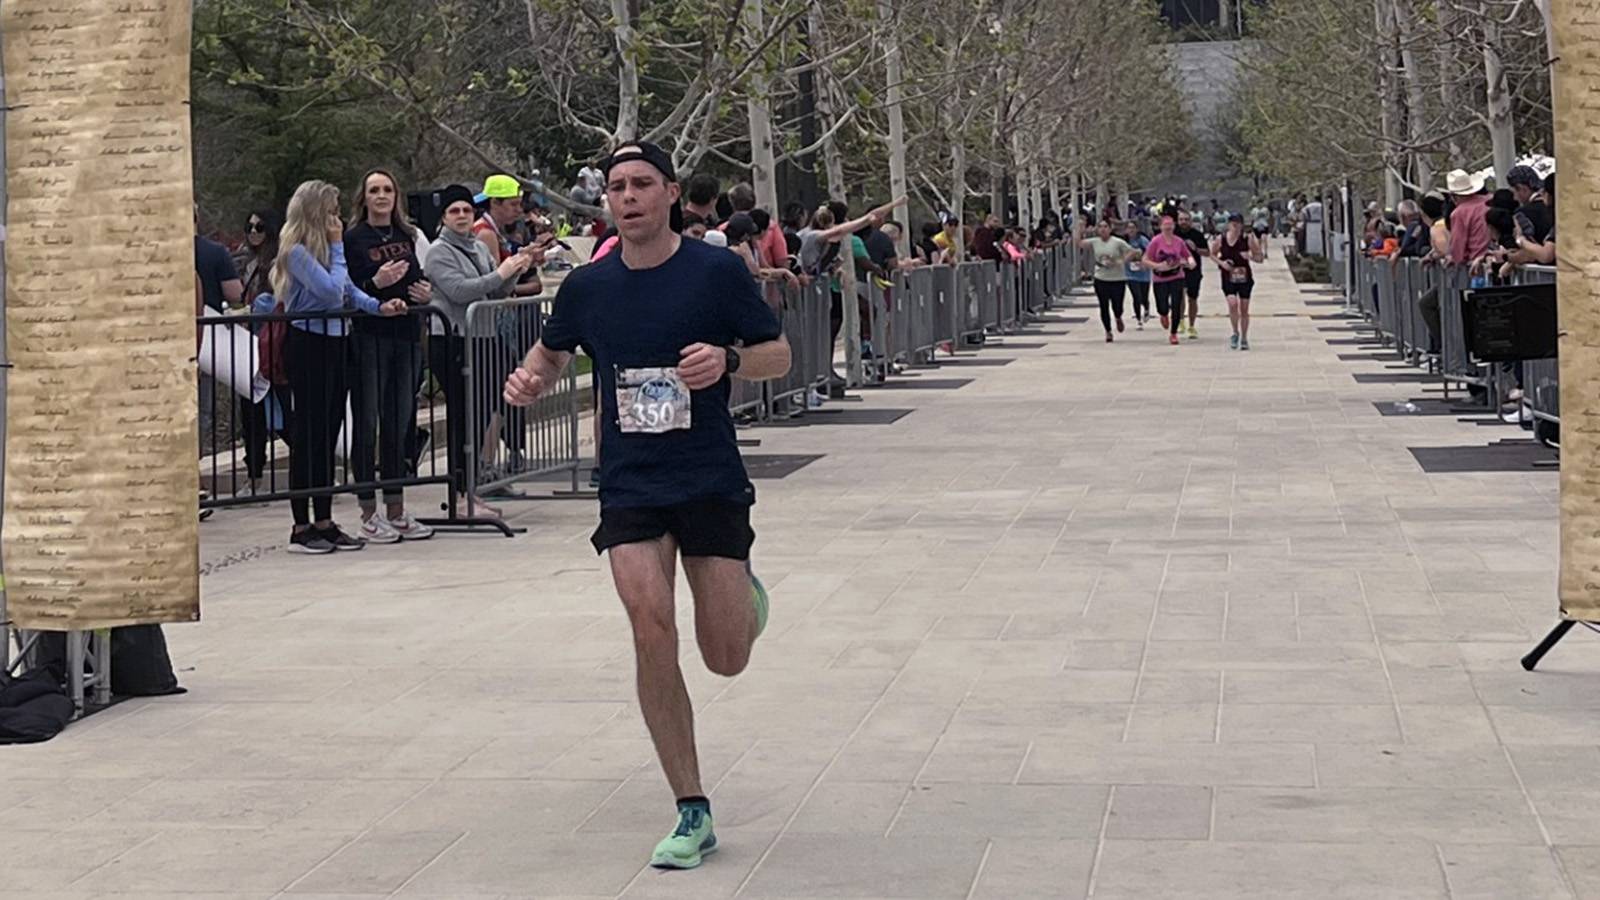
462,274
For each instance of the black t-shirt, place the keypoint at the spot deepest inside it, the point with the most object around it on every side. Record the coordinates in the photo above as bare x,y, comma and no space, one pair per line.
214,266
880,248
1196,240
366,249
1542,218
628,318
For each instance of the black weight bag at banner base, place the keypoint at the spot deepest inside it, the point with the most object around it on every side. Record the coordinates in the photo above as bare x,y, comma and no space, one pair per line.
140,666
33,707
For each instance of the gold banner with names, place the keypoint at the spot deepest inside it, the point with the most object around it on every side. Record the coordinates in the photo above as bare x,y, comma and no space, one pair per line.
1576,24
100,476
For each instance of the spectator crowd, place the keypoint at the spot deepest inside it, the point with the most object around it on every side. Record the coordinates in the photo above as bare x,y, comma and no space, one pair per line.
385,301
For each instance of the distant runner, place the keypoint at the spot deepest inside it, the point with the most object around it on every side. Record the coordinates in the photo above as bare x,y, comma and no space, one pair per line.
1169,259
1234,252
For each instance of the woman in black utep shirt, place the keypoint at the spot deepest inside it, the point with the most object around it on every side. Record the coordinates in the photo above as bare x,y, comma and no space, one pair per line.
380,249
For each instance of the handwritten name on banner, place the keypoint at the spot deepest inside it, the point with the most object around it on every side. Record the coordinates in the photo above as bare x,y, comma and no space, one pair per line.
101,480
1576,24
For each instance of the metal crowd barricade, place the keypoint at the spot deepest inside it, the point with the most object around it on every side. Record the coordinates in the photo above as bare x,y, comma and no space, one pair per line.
1541,378
805,323
247,419
503,444
1455,363
1010,314
1336,265
1384,273
1366,282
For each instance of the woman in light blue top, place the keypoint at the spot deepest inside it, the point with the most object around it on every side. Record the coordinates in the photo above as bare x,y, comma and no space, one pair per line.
310,275
1138,275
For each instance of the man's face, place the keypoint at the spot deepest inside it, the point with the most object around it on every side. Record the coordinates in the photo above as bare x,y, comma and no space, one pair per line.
1184,219
640,200
1523,193
505,210
458,217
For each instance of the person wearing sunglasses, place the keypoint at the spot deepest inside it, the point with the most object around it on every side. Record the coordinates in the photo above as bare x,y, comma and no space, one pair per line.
260,250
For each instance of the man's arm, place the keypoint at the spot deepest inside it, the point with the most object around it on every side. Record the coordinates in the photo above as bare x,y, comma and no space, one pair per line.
769,359
233,291
538,371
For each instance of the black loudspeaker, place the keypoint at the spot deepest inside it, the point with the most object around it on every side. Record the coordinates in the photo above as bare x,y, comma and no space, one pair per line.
423,208
1511,323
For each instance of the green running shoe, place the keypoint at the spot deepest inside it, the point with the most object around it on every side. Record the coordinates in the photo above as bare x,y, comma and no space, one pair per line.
758,596
689,843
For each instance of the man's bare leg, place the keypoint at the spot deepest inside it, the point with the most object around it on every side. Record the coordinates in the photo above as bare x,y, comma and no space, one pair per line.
724,616
645,575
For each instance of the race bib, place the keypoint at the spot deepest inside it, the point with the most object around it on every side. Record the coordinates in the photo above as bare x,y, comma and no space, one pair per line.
651,401
1238,275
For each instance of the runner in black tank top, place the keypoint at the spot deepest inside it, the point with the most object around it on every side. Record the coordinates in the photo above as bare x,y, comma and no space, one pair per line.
1235,250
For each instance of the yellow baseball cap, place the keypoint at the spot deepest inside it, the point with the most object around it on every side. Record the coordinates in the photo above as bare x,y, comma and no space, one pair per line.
500,187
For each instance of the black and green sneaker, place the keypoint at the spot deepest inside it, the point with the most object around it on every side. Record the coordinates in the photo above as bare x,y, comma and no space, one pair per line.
690,842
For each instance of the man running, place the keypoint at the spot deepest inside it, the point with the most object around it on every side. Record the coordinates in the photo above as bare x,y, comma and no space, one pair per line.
1192,279
1234,251
667,321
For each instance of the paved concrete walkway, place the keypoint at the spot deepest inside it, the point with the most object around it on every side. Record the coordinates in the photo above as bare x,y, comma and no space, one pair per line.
1126,621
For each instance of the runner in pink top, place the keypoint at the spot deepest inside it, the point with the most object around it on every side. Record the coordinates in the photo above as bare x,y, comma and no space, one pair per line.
1168,258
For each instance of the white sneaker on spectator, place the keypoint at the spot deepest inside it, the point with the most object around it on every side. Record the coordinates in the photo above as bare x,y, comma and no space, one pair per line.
408,528
377,530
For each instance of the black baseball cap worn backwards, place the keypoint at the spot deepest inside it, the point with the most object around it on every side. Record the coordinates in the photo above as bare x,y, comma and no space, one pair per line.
644,151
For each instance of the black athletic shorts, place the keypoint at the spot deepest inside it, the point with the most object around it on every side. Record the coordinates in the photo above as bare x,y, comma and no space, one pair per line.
1240,289
1191,281
708,527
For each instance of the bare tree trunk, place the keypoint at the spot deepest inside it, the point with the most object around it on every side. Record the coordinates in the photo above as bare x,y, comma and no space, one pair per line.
958,193
1502,130
1077,201
1225,16
1416,100
1050,175
1448,73
832,159
627,72
763,163
897,123
1389,93
1035,196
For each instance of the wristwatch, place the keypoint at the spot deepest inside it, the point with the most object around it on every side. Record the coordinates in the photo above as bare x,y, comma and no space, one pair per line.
733,359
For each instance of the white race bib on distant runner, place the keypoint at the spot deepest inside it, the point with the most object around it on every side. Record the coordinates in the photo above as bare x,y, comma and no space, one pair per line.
652,401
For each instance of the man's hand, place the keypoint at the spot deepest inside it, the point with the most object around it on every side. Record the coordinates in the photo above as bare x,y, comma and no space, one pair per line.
395,307
523,387
702,365
420,292
391,272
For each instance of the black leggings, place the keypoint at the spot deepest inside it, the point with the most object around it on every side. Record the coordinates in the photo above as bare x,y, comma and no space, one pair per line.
1169,301
1141,298
1110,294
317,383
383,401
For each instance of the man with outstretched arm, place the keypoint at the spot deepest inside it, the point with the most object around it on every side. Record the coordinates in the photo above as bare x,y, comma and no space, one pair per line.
667,323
